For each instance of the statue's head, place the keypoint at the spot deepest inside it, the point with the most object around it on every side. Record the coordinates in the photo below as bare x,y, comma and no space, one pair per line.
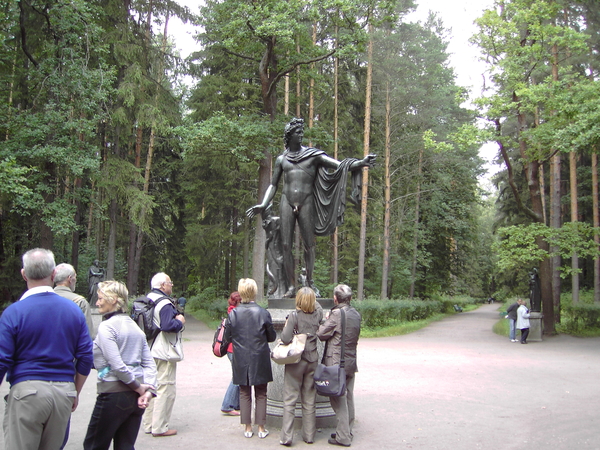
294,124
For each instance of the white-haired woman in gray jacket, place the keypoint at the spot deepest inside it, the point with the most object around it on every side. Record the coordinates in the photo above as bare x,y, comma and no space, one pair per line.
523,321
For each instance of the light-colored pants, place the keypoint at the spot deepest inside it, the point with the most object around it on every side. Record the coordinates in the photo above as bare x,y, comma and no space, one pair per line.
512,326
299,384
344,412
158,413
37,413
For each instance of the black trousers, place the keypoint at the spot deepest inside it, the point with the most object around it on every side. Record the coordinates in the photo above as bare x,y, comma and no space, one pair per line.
524,334
117,417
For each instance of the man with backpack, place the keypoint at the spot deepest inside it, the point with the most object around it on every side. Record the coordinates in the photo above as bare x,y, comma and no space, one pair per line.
167,350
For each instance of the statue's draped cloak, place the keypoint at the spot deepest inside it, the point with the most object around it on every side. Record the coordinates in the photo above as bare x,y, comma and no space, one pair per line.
329,190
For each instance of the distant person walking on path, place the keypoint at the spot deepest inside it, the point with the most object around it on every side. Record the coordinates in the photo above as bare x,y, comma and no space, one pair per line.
46,355
511,315
523,321
298,381
331,331
126,373
167,351
250,329
231,401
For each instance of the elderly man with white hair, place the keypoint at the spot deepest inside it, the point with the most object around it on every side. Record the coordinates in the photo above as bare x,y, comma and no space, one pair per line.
167,350
65,280
46,355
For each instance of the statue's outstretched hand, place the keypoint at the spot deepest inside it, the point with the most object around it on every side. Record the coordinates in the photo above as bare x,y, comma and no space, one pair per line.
252,212
369,160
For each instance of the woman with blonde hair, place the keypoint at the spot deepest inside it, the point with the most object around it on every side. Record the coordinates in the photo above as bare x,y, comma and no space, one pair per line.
126,373
250,329
298,382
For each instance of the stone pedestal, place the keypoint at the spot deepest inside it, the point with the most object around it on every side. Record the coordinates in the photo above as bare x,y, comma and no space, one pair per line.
536,327
280,309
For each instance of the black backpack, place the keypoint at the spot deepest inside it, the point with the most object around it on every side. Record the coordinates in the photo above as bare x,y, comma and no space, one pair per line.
142,313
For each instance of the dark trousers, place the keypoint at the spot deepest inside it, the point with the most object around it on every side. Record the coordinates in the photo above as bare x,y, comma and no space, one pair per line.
117,417
524,334
260,404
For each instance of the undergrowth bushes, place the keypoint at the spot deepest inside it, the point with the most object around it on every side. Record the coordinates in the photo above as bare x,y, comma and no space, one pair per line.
577,317
377,313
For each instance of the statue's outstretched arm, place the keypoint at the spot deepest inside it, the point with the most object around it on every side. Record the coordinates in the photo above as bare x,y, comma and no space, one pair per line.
367,161
257,209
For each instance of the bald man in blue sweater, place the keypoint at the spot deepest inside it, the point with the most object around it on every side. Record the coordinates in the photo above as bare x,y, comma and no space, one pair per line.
46,353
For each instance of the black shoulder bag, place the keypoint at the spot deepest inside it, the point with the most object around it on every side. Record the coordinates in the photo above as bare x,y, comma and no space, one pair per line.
330,381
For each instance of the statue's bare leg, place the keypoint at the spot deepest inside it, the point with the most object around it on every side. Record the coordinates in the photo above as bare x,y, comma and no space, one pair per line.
306,225
288,222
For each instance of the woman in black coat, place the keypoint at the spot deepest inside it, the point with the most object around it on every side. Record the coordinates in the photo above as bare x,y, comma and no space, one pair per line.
250,329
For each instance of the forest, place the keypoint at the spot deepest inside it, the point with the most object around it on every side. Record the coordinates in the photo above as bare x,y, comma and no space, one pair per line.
115,148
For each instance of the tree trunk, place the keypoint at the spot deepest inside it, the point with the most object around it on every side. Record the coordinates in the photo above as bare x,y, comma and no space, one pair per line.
76,237
574,218
132,281
365,180
232,284
387,197
112,240
413,270
555,207
596,216
333,278
536,213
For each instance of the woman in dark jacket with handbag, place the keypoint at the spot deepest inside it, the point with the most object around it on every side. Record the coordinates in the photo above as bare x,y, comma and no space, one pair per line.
298,380
250,329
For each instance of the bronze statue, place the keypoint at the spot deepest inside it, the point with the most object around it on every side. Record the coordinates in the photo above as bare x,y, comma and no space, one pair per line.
311,195
535,297
95,276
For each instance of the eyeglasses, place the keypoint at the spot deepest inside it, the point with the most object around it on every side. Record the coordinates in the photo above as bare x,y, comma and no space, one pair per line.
169,283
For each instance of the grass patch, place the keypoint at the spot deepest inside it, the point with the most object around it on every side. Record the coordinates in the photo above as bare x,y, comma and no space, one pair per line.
400,328
562,328
204,316
501,327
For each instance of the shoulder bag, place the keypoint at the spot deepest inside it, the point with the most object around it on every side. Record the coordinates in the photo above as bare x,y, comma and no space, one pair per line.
330,381
292,352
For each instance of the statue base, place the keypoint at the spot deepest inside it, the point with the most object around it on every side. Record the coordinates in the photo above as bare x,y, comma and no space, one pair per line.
280,308
536,327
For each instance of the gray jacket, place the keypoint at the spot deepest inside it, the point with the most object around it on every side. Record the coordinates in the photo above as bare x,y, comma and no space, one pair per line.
305,324
331,331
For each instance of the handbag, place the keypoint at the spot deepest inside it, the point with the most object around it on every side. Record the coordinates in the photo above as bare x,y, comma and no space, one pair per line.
219,343
330,381
292,352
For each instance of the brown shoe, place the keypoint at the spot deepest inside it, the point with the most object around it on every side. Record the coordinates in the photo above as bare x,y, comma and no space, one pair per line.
166,433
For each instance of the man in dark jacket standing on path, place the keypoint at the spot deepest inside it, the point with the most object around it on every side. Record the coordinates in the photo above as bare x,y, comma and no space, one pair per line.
331,331
511,315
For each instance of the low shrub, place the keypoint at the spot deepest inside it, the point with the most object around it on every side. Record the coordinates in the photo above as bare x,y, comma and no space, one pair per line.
377,313
210,300
578,317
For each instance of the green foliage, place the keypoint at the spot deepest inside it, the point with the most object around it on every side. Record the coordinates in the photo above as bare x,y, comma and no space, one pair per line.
210,301
518,247
578,317
379,313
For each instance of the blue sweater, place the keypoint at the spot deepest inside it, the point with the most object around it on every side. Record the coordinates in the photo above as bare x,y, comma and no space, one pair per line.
44,337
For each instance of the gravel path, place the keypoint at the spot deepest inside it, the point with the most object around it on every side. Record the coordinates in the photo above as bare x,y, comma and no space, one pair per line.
453,385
